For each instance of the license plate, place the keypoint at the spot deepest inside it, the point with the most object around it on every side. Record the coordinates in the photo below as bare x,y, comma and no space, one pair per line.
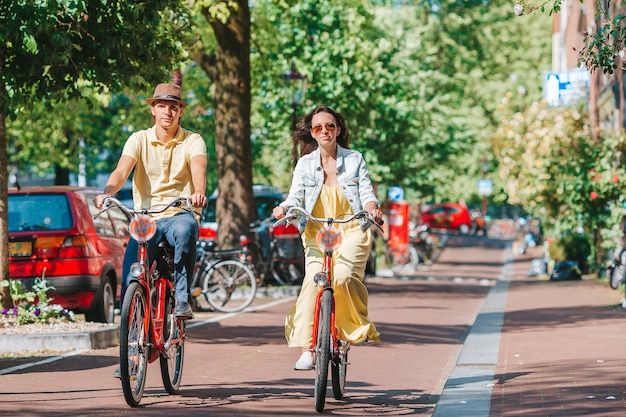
20,248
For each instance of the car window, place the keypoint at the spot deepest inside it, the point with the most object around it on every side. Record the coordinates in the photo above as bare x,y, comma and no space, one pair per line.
102,223
120,221
265,205
454,210
437,210
39,212
209,211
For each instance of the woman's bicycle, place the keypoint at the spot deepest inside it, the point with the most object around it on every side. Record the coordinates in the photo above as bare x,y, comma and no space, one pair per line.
149,328
327,348
223,278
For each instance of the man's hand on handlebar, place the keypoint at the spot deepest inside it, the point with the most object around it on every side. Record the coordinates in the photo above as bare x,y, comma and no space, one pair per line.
99,200
198,199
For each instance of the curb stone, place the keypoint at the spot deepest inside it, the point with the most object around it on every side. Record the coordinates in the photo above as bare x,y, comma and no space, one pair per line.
83,340
98,338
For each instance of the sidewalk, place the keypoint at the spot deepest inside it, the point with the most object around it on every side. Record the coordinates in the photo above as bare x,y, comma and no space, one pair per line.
562,348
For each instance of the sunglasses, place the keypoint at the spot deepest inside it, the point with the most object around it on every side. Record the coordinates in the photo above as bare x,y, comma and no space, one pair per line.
330,127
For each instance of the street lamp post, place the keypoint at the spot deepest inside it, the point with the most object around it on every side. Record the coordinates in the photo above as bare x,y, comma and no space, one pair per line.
296,88
485,185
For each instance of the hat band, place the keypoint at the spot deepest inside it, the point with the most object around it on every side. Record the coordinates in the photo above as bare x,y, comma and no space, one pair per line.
167,97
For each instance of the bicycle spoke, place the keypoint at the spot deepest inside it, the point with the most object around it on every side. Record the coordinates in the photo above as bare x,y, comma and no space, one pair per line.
229,286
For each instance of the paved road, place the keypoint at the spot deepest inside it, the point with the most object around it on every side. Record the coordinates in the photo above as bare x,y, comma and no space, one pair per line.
239,365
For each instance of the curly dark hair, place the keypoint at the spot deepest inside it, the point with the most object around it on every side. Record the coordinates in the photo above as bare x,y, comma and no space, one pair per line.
303,142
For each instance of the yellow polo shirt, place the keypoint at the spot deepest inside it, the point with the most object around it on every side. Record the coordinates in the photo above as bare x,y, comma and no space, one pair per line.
162,172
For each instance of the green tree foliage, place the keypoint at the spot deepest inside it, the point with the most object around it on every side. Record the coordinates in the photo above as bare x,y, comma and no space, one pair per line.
557,172
418,85
53,50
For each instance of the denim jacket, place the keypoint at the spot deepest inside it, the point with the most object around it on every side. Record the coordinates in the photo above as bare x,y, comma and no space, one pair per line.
352,174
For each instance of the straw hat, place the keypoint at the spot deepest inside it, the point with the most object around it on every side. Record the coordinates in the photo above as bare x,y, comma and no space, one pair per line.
170,92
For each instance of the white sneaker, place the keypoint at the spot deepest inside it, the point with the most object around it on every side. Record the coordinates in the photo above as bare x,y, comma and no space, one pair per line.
305,363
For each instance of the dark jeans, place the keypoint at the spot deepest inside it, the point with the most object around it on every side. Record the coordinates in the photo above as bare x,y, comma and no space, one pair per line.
181,232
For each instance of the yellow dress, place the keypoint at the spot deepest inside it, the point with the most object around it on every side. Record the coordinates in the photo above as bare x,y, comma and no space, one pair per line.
348,271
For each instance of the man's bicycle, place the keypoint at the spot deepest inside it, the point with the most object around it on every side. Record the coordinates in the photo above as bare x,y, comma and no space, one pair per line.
149,328
327,348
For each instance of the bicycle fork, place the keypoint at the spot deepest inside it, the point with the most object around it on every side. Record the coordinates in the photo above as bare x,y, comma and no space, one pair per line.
324,279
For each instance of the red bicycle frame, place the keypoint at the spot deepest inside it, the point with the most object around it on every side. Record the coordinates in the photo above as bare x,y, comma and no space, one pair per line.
327,270
156,316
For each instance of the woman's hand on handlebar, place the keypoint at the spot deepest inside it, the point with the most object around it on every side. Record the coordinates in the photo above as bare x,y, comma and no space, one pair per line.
279,212
375,212
377,215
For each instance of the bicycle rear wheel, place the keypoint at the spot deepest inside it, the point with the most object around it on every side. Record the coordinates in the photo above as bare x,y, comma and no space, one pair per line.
322,351
134,348
338,371
171,359
229,286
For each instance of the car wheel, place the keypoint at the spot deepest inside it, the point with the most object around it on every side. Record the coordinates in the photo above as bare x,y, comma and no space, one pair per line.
464,229
103,307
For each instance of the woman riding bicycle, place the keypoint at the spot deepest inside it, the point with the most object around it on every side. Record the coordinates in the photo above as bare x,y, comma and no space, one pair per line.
330,180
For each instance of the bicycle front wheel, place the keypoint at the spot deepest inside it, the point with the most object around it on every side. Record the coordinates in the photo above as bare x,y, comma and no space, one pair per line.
134,348
322,350
171,359
229,286
338,371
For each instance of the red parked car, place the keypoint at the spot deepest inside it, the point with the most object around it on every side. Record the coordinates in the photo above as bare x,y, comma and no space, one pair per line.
52,235
449,216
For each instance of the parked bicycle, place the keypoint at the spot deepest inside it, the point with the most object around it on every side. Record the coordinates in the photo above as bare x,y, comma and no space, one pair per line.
424,242
617,269
149,328
223,278
326,347
266,255
403,257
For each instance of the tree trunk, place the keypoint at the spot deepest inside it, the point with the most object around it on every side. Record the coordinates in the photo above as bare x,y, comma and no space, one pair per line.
5,291
235,203
594,95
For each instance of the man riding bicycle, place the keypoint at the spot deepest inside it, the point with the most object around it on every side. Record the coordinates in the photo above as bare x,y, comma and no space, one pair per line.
168,162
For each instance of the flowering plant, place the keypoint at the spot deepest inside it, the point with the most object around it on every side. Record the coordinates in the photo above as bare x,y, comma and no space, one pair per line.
34,306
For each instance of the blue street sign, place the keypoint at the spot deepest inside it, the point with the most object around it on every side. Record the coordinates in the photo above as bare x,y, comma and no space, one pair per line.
395,193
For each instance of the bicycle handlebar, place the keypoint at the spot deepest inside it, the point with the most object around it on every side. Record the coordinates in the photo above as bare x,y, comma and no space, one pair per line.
178,202
295,212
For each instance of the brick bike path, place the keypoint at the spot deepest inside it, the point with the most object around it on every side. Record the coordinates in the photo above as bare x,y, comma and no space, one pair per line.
558,354
562,348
